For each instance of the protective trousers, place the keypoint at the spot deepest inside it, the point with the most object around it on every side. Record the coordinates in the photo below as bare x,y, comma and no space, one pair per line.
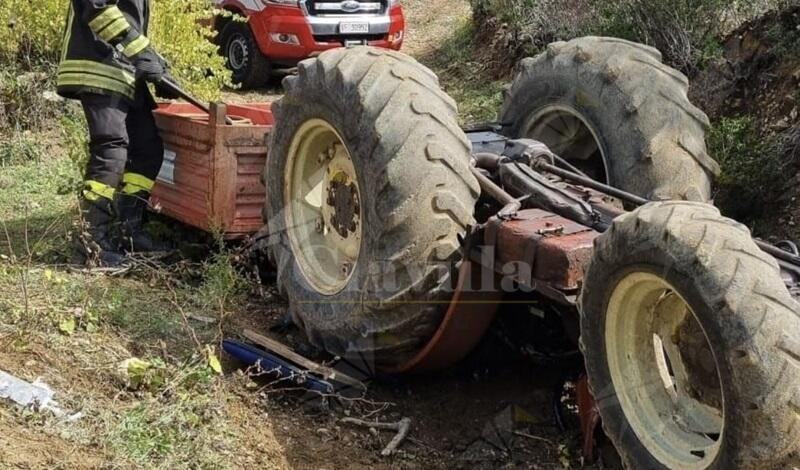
126,151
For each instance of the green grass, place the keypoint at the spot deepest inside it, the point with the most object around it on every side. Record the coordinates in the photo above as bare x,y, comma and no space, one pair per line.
19,149
173,434
82,326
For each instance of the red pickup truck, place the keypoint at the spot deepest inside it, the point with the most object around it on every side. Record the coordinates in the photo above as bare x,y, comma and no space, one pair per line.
283,32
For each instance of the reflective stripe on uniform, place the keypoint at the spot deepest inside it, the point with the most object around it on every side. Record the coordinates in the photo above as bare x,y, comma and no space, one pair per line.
98,68
135,183
96,75
84,80
136,46
105,18
114,29
94,190
67,33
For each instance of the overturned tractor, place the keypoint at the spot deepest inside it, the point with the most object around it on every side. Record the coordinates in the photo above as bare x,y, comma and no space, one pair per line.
396,236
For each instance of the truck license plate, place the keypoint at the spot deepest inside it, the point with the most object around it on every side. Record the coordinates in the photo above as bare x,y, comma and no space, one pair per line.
354,28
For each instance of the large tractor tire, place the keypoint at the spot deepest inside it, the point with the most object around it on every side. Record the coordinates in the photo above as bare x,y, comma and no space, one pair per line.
691,341
613,110
369,187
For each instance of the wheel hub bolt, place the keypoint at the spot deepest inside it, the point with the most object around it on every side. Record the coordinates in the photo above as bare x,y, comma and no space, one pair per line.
346,268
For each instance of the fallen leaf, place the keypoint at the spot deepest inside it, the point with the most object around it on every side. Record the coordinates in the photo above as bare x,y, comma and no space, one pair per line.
135,366
134,372
67,326
213,360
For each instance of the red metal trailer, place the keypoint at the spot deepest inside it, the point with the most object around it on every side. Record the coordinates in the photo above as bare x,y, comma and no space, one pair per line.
211,176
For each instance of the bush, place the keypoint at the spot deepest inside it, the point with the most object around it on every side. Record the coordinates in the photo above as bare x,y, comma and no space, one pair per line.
223,286
687,32
31,34
28,100
753,168
529,25
178,35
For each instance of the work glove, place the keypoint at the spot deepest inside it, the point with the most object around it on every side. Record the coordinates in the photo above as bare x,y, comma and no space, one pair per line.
163,91
149,66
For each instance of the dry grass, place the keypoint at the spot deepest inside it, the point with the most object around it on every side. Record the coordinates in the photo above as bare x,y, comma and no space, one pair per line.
74,330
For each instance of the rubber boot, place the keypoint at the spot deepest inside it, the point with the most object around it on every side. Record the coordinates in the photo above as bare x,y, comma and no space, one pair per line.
131,209
95,244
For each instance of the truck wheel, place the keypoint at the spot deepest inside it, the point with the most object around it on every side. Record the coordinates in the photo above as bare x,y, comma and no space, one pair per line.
613,110
242,56
691,341
369,187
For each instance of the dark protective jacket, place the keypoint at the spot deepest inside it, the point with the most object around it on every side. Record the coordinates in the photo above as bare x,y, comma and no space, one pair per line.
101,39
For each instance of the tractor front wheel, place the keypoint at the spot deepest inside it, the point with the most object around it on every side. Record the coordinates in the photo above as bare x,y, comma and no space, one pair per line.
690,340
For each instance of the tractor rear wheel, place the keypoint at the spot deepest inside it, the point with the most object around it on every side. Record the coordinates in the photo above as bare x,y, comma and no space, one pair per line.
369,187
690,341
613,110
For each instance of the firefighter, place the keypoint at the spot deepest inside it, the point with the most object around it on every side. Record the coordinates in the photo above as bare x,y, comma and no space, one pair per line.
106,63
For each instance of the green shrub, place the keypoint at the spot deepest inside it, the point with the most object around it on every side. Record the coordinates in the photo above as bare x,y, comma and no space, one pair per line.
75,141
223,287
31,34
27,100
753,167
529,25
687,32
178,35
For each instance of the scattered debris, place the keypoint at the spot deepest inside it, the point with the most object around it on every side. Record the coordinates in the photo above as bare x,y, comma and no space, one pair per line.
269,364
286,353
535,438
208,320
108,272
37,395
402,428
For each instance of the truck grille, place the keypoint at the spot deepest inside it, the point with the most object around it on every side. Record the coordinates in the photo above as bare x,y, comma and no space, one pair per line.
346,7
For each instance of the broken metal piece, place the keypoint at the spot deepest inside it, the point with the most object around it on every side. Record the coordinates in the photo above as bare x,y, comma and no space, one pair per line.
276,367
590,418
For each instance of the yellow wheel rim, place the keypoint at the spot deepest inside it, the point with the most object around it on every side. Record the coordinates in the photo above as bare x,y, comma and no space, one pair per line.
324,213
664,372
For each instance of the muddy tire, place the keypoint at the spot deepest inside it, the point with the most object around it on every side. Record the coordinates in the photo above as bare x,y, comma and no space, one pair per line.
677,281
416,195
249,67
614,110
